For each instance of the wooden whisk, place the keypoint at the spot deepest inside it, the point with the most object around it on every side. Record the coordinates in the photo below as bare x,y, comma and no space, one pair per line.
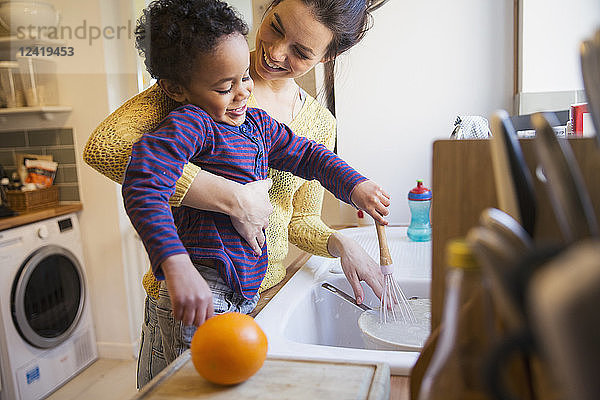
394,304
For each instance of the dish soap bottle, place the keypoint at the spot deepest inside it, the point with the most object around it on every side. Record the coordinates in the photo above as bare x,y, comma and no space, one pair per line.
467,332
419,202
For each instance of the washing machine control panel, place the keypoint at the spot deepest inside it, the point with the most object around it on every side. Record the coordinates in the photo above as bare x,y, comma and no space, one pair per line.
65,224
42,232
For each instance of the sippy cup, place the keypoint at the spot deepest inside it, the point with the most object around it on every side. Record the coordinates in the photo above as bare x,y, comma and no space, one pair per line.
419,202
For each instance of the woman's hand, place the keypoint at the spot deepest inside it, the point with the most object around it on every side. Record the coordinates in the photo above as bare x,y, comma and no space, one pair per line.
356,264
251,216
370,197
191,298
247,205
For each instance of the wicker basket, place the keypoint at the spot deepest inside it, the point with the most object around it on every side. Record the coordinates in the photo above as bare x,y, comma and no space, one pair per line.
32,200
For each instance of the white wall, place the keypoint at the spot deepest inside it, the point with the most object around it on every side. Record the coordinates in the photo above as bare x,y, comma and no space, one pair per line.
551,33
422,64
121,64
97,77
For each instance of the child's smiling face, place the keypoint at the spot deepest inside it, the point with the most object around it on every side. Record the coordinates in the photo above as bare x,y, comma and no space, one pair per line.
220,83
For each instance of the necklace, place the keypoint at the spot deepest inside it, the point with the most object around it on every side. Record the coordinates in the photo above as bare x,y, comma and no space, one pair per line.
296,96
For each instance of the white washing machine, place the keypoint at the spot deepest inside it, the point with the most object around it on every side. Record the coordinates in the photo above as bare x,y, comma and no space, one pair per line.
46,330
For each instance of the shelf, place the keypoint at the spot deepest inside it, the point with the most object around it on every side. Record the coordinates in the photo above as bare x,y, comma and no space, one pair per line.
33,117
9,45
7,40
44,110
34,216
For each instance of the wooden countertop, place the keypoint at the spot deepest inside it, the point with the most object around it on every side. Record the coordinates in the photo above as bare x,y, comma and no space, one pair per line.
268,294
278,378
34,216
399,385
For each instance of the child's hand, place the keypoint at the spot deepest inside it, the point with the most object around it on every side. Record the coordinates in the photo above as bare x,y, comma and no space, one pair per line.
370,197
191,298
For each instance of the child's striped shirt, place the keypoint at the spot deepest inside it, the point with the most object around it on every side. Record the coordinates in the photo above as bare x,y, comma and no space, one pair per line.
242,154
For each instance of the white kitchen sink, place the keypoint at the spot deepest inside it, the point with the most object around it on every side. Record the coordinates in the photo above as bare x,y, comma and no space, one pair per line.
306,321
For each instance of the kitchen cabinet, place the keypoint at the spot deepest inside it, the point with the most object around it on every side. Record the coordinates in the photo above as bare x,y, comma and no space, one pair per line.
458,165
44,117
39,117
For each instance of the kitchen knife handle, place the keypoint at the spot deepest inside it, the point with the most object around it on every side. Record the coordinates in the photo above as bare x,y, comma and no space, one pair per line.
345,296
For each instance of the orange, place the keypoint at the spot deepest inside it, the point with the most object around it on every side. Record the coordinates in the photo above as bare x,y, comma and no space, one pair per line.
228,348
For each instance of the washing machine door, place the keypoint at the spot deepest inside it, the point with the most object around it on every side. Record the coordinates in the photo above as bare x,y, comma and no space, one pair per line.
48,296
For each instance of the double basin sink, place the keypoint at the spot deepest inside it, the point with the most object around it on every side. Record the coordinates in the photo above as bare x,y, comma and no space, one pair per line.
306,321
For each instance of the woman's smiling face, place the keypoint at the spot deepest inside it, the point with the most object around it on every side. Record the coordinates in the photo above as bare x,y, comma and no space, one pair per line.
290,41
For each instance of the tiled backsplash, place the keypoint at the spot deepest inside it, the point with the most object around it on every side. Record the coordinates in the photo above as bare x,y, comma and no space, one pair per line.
57,142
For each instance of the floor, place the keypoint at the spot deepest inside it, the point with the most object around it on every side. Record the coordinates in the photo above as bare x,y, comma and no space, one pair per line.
104,379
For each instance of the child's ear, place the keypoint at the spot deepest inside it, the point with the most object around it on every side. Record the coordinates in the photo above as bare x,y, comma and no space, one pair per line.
173,90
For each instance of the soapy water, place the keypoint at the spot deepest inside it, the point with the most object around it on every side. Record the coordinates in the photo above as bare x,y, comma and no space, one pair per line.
399,332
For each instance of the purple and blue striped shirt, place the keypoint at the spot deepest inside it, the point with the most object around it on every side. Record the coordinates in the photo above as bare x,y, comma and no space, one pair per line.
242,154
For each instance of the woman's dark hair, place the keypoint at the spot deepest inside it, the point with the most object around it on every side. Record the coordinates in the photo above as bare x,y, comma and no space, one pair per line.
170,34
348,21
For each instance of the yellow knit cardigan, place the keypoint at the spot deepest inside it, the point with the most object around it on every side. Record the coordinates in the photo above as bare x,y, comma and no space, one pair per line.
297,203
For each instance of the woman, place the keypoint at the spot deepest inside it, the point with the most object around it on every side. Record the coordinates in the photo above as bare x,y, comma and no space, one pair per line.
294,36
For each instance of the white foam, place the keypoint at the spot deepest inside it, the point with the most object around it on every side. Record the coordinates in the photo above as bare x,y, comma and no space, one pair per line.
399,332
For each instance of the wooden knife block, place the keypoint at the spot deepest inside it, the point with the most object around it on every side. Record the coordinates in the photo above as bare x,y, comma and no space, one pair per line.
463,186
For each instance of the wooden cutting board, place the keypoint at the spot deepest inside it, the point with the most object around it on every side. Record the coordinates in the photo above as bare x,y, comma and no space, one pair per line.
277,379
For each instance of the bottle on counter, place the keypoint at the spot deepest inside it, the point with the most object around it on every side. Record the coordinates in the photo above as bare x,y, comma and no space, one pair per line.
466,335
363,219
419,202
3,188
15,182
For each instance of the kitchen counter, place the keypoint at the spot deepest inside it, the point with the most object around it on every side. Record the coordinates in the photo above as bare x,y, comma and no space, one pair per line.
39,215
399,385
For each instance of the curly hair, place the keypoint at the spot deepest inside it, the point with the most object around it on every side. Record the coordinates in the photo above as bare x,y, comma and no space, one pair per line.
170,34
